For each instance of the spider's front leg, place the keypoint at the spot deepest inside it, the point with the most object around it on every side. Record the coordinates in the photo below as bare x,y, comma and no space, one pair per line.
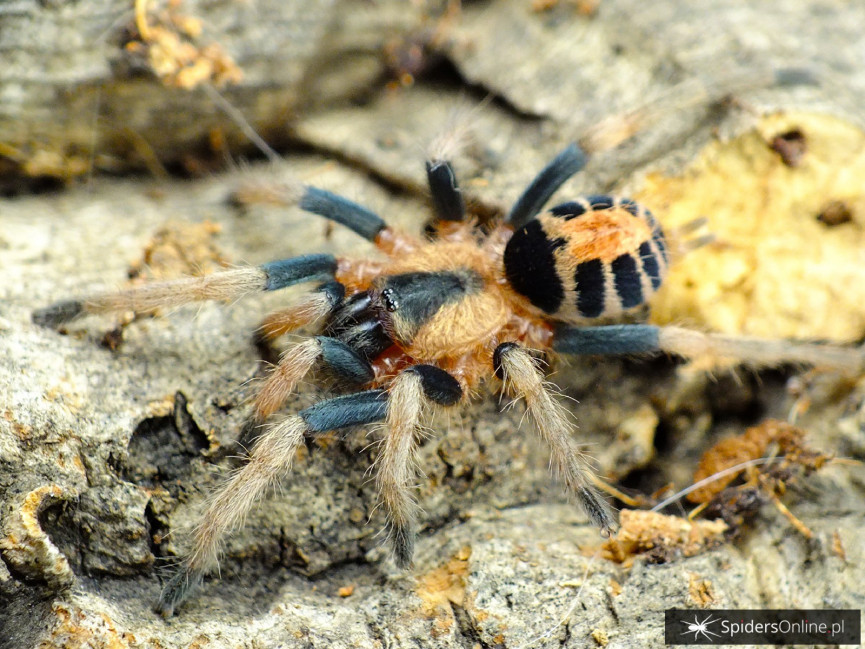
524,379
269,461
225,286
753,352
275,449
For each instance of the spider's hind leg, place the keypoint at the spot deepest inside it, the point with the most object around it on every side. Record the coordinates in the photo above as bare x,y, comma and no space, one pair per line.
752,352
225,285
570,161
517,369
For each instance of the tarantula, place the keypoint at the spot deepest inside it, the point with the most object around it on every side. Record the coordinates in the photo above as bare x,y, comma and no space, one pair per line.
434,320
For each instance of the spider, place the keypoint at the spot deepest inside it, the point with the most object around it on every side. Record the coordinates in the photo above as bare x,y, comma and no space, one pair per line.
433,321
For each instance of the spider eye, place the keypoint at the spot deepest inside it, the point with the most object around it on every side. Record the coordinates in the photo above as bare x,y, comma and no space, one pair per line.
390,301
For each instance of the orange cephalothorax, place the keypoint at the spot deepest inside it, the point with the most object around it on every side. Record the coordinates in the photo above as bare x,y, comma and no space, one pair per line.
591,258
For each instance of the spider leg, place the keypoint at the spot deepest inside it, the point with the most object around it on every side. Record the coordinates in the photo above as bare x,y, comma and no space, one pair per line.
355,217
298,360
545,184
411,392
446,194
308,310
269,461
225,285
754,352
516,368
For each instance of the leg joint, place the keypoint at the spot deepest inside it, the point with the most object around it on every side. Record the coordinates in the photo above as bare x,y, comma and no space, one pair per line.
438,386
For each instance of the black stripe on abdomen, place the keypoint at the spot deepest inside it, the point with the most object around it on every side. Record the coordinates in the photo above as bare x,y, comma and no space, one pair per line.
589,278
628,280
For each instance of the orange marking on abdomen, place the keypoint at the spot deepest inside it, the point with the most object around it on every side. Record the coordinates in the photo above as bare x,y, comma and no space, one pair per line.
603,234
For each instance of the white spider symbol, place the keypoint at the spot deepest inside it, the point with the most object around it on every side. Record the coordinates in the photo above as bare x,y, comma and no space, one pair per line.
700,627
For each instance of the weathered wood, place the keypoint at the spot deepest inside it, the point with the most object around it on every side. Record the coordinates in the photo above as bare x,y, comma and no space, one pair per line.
96,469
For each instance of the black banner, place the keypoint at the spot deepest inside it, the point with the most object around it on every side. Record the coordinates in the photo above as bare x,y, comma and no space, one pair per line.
779,626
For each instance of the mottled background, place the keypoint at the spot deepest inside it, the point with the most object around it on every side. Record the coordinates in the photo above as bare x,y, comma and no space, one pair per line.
117,162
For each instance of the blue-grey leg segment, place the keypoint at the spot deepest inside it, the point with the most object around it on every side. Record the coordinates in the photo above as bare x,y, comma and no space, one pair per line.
344,361
545,184
796,77
56,314
446,195
176,591
614,339
307,268
350,410
438,386
336,208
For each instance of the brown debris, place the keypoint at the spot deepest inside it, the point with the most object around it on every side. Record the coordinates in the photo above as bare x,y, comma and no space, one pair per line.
763,483
170,50
838,546
177,249
751,445
446,584
661,538
835,212
700,591
791,146
180,249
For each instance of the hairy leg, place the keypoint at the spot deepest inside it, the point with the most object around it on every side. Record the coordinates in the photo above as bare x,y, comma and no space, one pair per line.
753,352
516,368
297,361
308,310
269,461
410,394
225,285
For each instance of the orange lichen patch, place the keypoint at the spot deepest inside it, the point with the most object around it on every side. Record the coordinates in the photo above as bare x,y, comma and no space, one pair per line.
160,407
700,591
600,637
774,270
750,445
170,48
601,234
33,161
21,431
346,591
25,546
179,249
445,585
660,537
77,629
838,546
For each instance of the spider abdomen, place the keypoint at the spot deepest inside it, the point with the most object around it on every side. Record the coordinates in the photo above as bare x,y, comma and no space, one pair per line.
591,258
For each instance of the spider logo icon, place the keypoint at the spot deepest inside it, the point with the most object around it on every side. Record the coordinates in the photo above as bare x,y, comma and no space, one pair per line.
697,627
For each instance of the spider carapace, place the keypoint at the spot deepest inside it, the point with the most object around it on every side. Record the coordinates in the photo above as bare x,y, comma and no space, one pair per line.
431,322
